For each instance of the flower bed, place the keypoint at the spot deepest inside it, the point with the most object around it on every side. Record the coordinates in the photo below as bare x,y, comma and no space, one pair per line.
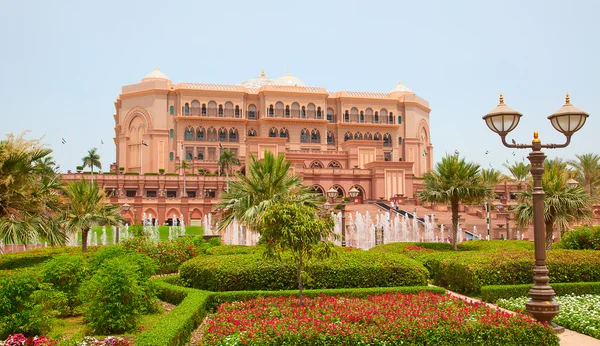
386,319
578,313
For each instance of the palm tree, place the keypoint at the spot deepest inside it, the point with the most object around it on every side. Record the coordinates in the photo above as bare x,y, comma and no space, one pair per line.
562,204
226,161
30,201
87,209
587,171
519,172
454,181
184,165
92,160
266,182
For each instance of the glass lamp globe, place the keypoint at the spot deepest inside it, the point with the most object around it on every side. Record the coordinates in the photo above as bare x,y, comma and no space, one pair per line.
568,119
332,193
502,119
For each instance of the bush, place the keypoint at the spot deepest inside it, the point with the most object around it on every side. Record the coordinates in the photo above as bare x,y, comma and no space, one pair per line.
467,272
161,170
65,273
491,294
233,250
132,173
412,250
116,295
581,238
35,256
496,245
121,169
19,313
168,256
349,269
150,173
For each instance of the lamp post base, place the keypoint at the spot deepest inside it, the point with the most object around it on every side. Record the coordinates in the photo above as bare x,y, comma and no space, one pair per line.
544,311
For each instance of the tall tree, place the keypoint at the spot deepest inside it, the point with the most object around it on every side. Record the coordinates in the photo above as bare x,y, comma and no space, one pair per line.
587,171
562,204
454,181
87,209
184,166
30,200
298,229
92,159
226,161
519,172
266,182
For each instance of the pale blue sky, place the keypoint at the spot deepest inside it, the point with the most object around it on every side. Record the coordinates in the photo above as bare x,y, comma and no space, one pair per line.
64,62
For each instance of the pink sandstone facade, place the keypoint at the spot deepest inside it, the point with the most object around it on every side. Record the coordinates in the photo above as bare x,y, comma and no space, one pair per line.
376,142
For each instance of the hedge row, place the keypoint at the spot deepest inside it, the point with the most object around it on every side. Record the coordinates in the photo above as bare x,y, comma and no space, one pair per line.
233,250
411,249
491,294
468,272
351,269
193,305
496,245
36,256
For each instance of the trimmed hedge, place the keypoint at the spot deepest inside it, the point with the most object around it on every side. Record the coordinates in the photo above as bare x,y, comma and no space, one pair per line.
233,250
37,256
346,270
193,305
469,271
412,250
496,245
491,294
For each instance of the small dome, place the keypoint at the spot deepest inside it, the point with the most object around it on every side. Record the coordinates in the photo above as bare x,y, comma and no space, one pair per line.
154,75
255,83
289,80
401,88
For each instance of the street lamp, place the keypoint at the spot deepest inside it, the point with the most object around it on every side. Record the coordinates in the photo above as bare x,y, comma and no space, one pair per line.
332,193
572,183
354,192
567,120
124,208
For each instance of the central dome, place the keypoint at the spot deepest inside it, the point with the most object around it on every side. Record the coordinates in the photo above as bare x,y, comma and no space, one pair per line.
255,83
289,80
154,75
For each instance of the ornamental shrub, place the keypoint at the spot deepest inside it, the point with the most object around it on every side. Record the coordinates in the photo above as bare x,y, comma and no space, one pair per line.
35,256
233,250
348,269
115,296
168,255
496,245
581,238
66,273
467,272
412,250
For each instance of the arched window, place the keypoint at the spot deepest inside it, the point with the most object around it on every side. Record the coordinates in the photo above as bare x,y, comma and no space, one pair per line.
283,133
399,140
228,109
319,113
287,111
303,112
318,190
311,110
189,156
330,114
391,120
384,114
358,136
171,156
354,114
189,134
304,136
171,133
200,156
387,140
204,109
369,115
330,138
186,109
361,117
252,133
212,109
315,136
233,135
222,134
295,110
346,117
200,134
252,112
195,107
237,111
377,136
279,109
334,164
316,164
399,120
273,132
211,134
368,136
348,136
220,110
376,118
271,110
171,110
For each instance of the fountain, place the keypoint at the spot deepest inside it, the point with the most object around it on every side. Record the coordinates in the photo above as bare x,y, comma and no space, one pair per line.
103,237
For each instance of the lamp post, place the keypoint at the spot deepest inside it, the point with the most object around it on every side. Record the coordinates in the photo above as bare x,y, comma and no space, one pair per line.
124,208
332,193
354,192
567,120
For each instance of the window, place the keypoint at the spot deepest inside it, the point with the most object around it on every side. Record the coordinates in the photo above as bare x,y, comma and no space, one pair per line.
204,109
348,136
283,133
186,110
229,111
252,112
171,156
200,135
212,109
233,135
391,121
151,193
251,133
279,109
211,134
171,133
303,112
315,136
387,140
210,194
195,107
399,120
287,111
222,135
171,110
273,132
189,134
376,117
346,117
387,156
171,193
237,111
319,112
130,193
189,157
399,140
200,156
191,194
368,136
271,110
358,136
304,136
362,117
221,110
329,114
330,138
377,136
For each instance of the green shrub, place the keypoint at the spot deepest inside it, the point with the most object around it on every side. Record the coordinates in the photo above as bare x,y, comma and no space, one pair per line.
496,245
492,293
121,169
233,250
168,256
581,238
115,296
35,256
348,269
105,253
412,250
171,174
150,173
161,170
19,313
467,272
66,273
132,173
